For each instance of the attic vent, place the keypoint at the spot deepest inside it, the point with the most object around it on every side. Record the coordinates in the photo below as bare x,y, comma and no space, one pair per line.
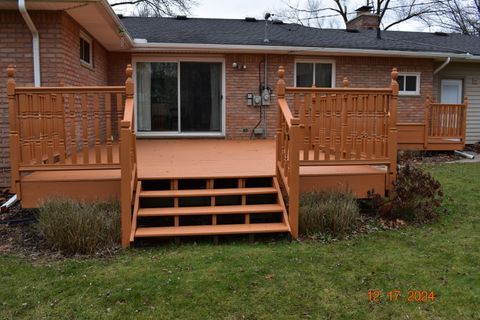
441,34
276,21
181,17
250,19
352,30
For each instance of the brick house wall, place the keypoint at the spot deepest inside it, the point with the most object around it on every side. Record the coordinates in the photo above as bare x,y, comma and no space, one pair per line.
372,72
59,61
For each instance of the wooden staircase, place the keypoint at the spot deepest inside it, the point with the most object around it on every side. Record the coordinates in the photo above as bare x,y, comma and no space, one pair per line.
208,206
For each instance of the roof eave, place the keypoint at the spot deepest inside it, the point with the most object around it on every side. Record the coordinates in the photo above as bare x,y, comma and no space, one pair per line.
149,47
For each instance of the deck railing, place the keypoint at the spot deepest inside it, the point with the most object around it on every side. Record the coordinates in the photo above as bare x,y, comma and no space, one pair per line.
443,128
446,121
63,128
333,126
128,160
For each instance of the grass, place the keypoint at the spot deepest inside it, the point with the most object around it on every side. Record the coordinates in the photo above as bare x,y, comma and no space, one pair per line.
284,280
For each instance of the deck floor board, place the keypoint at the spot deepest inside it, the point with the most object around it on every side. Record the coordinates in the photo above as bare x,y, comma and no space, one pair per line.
165,159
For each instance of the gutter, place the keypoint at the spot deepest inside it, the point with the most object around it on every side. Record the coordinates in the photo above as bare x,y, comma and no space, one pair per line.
442,66
151,47
119,24
35,42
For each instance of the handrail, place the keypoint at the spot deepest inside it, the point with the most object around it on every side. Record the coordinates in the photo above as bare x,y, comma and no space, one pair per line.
128,160
128,113
287,114
81,89
336,90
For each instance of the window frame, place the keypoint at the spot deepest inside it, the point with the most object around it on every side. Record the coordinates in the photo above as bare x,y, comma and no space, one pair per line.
83,36
178,59
417,84
314,61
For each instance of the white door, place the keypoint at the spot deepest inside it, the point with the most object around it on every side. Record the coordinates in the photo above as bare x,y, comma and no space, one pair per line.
451,92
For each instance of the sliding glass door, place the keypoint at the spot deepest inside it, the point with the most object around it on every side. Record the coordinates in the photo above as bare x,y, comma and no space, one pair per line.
179,98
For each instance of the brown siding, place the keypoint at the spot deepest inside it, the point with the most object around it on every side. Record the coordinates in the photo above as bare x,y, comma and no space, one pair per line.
59,61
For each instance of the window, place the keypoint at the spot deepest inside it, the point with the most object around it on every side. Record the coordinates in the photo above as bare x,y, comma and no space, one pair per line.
315,73
409,83
176,97
86,49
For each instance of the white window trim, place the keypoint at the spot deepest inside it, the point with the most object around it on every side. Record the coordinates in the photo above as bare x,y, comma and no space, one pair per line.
178,59
325,61
411,93
89,40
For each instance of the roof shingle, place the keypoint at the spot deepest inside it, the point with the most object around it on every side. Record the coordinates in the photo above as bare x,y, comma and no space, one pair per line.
241,32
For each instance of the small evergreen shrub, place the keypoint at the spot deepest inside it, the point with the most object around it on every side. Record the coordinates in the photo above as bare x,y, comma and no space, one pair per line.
328,212
416,196
77,227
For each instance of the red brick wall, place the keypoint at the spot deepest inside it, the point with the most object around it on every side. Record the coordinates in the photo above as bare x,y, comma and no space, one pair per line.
117,63
239,82
59,60
375,72
361,71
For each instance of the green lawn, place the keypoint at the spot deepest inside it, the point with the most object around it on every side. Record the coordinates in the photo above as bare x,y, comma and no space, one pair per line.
284,280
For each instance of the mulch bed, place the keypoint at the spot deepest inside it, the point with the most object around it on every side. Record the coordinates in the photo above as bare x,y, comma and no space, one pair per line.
473,147
421,157
18,233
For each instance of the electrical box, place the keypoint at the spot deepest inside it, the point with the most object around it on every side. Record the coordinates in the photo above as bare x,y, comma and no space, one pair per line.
257,100
259,131
249,99
265,97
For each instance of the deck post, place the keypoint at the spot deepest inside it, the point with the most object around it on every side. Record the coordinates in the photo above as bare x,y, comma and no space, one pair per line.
426,116
14,133
464,120
280,96
294,176
392,130
126,164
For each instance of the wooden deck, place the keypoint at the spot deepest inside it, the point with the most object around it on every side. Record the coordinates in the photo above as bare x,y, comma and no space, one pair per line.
204,158
80,142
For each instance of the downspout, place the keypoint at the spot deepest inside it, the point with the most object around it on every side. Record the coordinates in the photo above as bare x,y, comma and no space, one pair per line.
35,42
442,66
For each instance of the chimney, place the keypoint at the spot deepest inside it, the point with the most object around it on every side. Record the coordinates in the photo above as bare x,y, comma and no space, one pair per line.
365,20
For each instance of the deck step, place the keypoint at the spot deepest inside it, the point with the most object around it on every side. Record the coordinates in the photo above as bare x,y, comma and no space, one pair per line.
212,230
206,192
207,210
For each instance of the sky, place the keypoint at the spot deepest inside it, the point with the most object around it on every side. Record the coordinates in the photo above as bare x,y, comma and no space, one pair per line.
235,8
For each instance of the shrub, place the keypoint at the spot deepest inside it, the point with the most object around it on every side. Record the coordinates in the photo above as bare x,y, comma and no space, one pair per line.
328,212
416,196
78,227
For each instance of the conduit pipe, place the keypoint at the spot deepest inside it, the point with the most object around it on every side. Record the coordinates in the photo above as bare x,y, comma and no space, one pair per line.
442,66
35,42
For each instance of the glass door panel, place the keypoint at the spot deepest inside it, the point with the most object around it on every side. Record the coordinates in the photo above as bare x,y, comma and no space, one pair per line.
157,96
200,96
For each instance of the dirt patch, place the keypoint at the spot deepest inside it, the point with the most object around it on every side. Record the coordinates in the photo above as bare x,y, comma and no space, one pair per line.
19,235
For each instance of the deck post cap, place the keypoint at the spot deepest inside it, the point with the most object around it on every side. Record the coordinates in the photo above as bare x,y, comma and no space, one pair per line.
281,72
129,70
394,74
10,71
